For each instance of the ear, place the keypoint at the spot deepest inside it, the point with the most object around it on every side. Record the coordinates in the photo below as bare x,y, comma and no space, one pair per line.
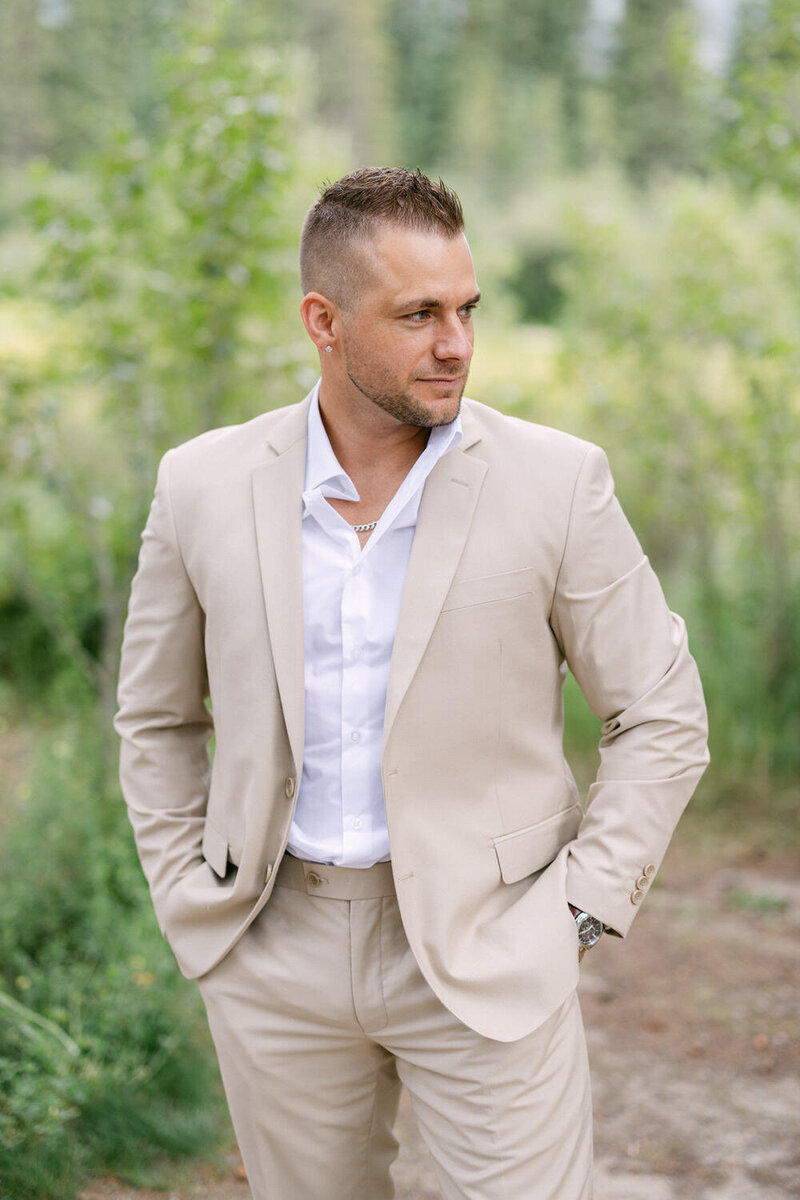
318,313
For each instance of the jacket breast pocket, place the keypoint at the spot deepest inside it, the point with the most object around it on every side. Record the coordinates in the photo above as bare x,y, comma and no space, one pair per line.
528,850
486,589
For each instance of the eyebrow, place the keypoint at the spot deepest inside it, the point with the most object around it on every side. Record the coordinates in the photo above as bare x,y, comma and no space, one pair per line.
416,305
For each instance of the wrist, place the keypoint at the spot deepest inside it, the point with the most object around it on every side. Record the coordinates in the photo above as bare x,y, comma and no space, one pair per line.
589,928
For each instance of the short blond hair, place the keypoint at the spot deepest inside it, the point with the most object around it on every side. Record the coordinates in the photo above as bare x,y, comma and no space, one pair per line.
351,211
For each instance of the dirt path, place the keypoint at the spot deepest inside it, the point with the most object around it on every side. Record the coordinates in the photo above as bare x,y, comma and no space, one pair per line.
694,1036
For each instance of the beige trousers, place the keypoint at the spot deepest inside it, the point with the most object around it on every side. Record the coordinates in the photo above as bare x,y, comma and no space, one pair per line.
320,1012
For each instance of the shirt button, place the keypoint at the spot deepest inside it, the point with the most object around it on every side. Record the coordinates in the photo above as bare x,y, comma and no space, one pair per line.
355,736
356,822
356,653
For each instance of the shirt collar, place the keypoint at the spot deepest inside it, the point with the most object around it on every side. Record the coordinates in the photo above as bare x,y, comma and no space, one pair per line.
324,469
322,466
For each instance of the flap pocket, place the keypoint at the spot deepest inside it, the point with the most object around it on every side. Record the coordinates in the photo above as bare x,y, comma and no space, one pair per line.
528,850
215,850
505,586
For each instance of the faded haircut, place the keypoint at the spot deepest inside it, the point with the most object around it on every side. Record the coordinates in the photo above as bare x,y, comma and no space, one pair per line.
350,212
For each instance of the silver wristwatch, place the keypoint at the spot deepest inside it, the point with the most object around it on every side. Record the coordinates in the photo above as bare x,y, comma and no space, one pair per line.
590,930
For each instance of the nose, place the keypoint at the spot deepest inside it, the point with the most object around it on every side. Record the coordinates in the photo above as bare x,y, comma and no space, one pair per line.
454,341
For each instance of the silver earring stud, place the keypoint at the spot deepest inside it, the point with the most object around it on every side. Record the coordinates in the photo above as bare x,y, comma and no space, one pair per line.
328,349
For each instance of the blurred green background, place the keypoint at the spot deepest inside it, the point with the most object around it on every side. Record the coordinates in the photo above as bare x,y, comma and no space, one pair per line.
629,173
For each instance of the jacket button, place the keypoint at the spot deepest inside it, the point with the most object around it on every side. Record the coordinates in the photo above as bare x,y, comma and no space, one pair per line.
642,882
313,878
289,788
650,870
637,897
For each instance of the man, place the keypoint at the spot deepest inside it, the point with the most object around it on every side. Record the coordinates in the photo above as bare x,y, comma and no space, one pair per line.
387,875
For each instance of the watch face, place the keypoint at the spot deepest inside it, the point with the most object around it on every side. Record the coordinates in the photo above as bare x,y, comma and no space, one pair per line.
590,930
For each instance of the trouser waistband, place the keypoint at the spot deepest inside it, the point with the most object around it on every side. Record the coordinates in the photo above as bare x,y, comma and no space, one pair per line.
335,883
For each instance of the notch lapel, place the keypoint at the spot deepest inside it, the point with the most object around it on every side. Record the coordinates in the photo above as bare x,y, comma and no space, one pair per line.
278,507
445,515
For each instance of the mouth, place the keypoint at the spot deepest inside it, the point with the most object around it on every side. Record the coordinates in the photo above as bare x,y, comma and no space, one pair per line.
443,380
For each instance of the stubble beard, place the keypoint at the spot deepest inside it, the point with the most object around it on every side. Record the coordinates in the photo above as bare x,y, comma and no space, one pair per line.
406,408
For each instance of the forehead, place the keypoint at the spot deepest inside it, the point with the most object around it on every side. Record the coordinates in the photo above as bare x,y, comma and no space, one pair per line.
408,263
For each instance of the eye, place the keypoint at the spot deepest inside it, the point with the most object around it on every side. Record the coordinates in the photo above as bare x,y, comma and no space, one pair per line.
417,318
467,311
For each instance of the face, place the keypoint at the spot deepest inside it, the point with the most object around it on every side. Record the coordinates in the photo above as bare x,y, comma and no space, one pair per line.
406,343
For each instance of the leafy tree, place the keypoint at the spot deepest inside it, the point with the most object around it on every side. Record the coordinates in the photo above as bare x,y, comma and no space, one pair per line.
479,87
157,309
544,39
682,318
70,70
101,65
349,73
168,256
424,39
761,140
24,125
660,96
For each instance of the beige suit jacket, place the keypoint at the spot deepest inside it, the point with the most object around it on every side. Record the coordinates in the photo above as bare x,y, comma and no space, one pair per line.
522,564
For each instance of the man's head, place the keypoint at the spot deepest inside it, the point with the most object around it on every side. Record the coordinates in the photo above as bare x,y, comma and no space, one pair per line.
338,229
389,292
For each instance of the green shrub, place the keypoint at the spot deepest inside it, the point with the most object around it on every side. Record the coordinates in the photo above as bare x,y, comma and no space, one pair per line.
679,353
103,1064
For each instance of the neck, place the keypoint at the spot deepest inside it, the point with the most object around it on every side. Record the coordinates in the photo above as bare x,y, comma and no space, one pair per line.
362,445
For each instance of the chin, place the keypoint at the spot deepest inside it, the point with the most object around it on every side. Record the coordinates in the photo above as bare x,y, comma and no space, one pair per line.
441,400
442,413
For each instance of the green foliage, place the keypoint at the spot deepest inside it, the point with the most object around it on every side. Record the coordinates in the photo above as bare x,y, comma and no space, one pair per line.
493,92
101,1063
155,309
535,284
498,92
144,298
760,141
422,39
162,273
99,64
659,93
174,248
682,357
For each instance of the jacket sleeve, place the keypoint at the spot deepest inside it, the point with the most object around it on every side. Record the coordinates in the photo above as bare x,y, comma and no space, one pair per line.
163,719
630,656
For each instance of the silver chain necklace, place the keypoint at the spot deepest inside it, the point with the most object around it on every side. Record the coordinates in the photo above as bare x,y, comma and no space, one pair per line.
363,528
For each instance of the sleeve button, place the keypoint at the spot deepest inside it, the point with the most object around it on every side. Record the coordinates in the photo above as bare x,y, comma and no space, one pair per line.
650,870
637,897
642,882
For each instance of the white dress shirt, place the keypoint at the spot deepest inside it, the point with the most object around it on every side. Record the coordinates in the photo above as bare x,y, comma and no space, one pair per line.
351,604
